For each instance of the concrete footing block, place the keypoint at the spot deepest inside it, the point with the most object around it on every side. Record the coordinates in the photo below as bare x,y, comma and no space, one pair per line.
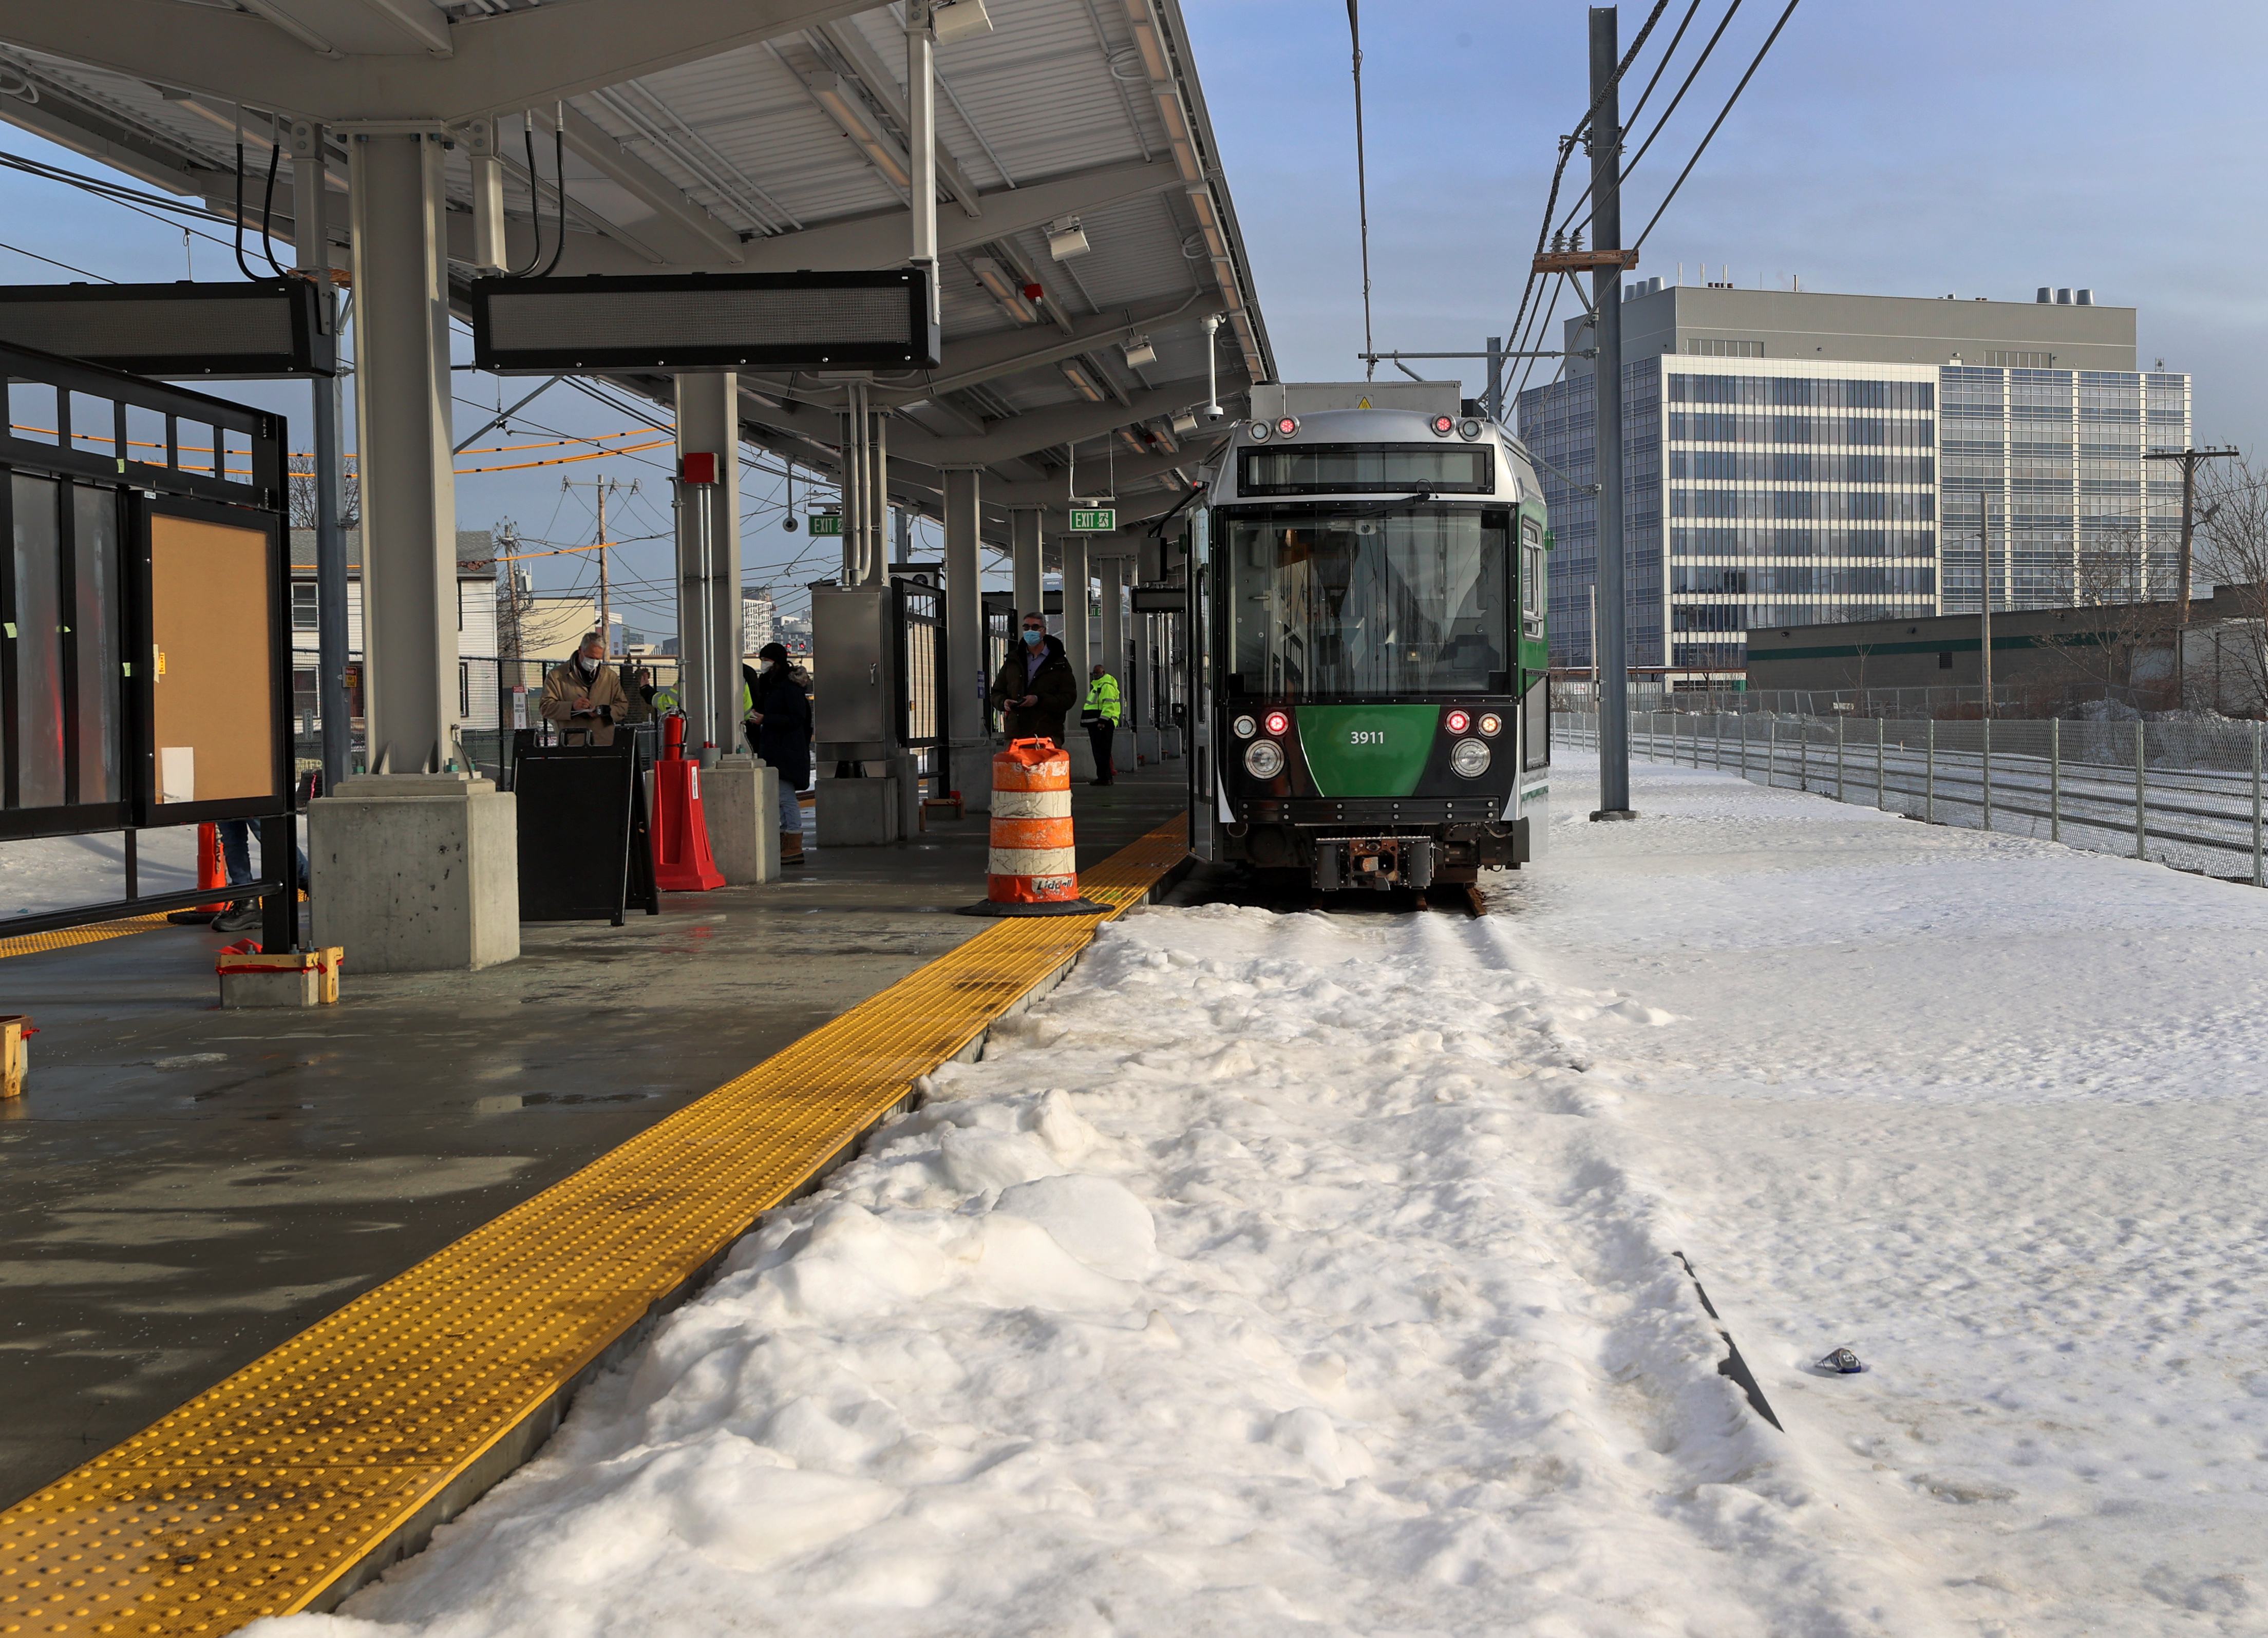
740,799
972,773
1146,744
858,814
416,872
1082,756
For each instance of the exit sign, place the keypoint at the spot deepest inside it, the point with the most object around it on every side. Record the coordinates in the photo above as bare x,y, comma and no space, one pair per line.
827,523
1094,520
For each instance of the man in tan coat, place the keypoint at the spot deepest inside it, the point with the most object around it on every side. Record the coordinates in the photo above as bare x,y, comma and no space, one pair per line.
584,695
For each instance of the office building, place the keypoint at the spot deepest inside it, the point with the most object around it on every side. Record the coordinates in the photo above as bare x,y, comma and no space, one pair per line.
1792,458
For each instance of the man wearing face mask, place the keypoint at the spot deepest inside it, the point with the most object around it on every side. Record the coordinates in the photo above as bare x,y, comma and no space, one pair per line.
584,695
1036,688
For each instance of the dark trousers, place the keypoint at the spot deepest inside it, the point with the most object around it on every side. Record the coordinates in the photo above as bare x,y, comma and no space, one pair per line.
1098,735
236,852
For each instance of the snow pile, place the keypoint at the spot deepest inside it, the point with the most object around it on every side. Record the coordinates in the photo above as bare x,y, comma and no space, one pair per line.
1328,1301
1314,1274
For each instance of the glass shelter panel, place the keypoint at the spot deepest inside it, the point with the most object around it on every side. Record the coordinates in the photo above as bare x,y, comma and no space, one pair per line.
38,645
94,629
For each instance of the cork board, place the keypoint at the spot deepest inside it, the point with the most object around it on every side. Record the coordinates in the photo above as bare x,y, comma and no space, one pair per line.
210,586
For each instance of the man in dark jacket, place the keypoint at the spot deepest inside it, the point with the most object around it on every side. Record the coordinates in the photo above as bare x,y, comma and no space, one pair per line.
778,723
1036,688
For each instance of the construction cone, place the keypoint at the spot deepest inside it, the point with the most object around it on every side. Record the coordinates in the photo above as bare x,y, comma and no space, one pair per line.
682,861
212,872
1033,867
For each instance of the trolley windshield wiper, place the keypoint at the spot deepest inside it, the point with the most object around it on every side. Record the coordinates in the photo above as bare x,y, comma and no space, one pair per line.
1386,502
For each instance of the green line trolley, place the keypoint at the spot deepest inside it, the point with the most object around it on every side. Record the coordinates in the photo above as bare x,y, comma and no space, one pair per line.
1370,705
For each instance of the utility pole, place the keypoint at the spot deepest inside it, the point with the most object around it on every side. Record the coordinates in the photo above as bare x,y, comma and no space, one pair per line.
1613,657
603,487
2191,459
1984,602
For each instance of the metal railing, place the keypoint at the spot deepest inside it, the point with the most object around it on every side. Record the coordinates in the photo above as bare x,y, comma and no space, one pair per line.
2185,793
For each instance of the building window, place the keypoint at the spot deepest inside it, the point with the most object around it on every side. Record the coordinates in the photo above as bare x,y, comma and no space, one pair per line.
2019,361
1945,659
303,606
464,689
1711,347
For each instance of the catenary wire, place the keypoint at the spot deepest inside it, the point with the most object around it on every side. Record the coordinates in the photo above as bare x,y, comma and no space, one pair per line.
1727,109
1723,23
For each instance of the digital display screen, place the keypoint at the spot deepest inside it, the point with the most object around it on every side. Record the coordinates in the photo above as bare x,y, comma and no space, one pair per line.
1367,469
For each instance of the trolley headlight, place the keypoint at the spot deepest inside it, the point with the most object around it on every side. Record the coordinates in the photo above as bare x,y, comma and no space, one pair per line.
1468,430
1279,723
1243,727
1286,425
1263,759
1458,722
1442,425
1469,758
1491,724
1259,430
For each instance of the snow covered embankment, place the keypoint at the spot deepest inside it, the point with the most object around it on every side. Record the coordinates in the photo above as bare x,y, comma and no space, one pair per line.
1283,1273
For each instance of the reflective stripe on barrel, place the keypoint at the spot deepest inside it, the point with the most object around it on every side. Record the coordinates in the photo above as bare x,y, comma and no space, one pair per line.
1032,860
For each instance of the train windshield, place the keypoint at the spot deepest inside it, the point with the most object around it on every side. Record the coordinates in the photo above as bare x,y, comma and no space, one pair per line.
1356,599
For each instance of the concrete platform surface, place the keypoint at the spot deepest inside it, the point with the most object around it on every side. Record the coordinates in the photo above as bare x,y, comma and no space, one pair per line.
186,1187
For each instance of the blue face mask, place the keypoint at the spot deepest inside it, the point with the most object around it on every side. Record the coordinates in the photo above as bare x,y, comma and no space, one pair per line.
1034,638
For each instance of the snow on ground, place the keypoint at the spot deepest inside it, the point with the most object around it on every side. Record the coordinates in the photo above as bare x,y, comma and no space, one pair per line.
56,872
1313,1274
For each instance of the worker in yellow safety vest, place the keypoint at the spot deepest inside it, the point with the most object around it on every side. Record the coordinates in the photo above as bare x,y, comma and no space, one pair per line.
1099,717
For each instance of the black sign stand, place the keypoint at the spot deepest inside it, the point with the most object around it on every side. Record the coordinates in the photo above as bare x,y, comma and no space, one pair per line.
585,850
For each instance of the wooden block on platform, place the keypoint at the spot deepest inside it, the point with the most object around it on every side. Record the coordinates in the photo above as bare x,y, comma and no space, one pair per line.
13,1054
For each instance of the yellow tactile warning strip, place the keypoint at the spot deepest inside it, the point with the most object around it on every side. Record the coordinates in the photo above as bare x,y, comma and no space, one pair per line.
67,936
253,1498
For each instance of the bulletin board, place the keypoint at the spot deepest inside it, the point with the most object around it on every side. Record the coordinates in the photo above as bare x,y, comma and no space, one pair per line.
212,581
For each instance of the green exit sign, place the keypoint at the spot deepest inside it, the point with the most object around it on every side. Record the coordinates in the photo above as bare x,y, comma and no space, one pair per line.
827,523
1094,520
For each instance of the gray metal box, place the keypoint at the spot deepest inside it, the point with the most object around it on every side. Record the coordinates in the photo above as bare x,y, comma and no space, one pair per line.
855,714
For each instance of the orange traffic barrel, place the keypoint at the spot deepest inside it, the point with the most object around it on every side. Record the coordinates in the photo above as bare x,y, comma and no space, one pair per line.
1033,866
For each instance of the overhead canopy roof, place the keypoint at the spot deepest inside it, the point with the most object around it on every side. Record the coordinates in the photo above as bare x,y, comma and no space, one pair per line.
728,134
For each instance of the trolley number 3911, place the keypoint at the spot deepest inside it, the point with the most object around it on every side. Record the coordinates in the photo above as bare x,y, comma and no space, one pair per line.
1367,736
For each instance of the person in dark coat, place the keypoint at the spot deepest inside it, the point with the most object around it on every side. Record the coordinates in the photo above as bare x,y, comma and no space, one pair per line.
778,726
1036,688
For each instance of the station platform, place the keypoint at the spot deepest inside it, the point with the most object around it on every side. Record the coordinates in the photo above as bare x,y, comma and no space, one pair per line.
191,1187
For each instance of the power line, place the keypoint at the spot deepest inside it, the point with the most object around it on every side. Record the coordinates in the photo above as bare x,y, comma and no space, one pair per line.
1362,192
1567,147
1727,109
1668,54
52,262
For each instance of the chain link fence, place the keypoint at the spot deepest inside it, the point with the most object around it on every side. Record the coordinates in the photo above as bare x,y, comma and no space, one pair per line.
2185,793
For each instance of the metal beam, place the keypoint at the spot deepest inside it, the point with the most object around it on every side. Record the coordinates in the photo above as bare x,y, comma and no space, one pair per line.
1056,491
1021,435
85,130
847,43
594,143
878,240
499,64
1004,352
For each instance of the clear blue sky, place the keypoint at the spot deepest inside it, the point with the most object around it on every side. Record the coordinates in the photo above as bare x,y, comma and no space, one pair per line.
1904,150
1910,150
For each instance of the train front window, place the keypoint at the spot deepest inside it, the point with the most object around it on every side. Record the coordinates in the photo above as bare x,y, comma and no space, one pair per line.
1327,601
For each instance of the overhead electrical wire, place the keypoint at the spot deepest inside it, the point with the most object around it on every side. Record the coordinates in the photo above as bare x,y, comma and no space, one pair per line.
1567,147
1362,192
1701,62
1668,54
1727,109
